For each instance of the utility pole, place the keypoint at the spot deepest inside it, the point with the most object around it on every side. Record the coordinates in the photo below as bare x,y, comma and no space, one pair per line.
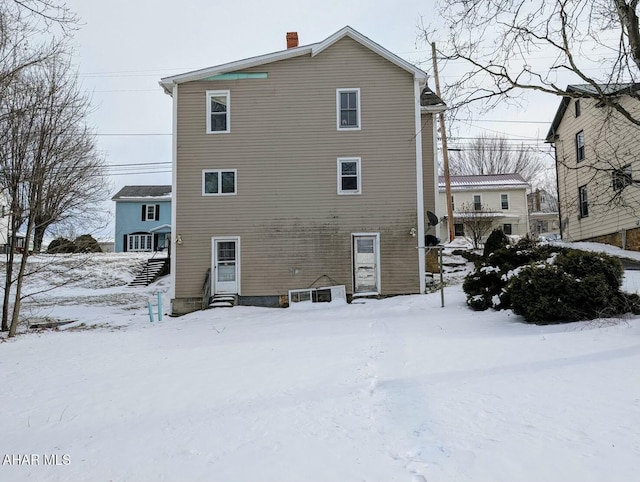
445,151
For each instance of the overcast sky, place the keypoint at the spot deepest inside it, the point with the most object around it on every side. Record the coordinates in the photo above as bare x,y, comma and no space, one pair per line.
124,47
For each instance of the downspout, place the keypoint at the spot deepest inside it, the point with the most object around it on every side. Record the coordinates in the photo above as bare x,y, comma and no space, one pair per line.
419,188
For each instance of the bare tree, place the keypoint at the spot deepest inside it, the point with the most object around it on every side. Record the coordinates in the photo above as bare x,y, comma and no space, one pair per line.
477,222
52,169
505,47
20,22
495,155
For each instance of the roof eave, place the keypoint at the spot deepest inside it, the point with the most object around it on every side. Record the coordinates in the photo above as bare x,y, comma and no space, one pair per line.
367,42
168,82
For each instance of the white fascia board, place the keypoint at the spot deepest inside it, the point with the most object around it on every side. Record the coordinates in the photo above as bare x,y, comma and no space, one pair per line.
370,44
143,198
314,49
160,228
168,82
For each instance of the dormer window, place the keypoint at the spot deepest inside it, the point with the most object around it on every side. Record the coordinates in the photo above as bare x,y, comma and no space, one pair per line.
348,109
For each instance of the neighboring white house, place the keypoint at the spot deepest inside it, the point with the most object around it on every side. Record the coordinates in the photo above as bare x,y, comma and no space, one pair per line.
543,213
504,196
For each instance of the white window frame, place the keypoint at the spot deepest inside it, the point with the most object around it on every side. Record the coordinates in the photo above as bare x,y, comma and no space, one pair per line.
151,212
477,206
220,193
501,203
358,110
583,200
134,246
357,160
580,151
218,93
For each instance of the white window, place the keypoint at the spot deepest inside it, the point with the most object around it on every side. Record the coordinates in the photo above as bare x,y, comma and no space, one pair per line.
218,115
150,212
504,201
622,177
580,146
348,109
219,183
584,202
140,242
477,202
349,180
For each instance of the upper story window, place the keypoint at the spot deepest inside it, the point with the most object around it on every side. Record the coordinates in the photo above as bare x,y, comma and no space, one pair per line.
583,201
218,118
580,146
219,183
349,181
504,201
348,109
150,212
577,107
477,202
622,177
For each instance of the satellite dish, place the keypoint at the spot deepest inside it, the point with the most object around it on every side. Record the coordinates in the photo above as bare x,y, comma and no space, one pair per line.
433,219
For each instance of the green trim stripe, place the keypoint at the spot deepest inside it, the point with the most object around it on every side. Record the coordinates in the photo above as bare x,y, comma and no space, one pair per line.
239,76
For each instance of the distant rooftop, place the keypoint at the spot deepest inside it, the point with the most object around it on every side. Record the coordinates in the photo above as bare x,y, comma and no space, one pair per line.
129,192
486,181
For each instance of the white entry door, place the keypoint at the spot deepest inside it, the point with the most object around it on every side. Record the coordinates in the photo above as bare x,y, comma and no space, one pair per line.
225,265
366,263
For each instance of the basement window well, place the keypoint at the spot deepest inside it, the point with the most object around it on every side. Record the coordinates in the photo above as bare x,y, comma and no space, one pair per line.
325,294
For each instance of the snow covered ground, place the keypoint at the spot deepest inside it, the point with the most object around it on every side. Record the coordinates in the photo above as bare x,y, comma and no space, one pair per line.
384,390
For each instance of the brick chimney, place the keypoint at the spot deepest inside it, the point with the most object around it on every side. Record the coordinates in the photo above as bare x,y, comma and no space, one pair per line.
292,40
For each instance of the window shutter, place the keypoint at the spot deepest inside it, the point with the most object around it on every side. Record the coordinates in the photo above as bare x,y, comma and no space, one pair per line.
155,242
125,244
144,212
157,212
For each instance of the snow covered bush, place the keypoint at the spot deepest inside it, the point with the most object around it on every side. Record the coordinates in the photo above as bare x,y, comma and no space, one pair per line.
496,240
61,245
485,286
575,285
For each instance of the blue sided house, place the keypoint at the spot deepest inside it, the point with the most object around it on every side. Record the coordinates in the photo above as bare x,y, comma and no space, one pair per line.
143,218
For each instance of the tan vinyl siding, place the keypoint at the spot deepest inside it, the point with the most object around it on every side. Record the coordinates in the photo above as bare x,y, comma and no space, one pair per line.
294,227
610,142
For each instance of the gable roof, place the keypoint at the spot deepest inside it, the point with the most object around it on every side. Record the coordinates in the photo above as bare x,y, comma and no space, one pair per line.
167,83
141,192
587,90
484,181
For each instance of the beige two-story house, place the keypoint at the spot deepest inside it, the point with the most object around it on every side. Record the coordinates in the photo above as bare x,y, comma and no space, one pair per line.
309,166
500,197
597,161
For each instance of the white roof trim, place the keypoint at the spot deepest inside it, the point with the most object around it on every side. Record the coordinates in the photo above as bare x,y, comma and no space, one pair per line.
167,83
159,228
371,45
